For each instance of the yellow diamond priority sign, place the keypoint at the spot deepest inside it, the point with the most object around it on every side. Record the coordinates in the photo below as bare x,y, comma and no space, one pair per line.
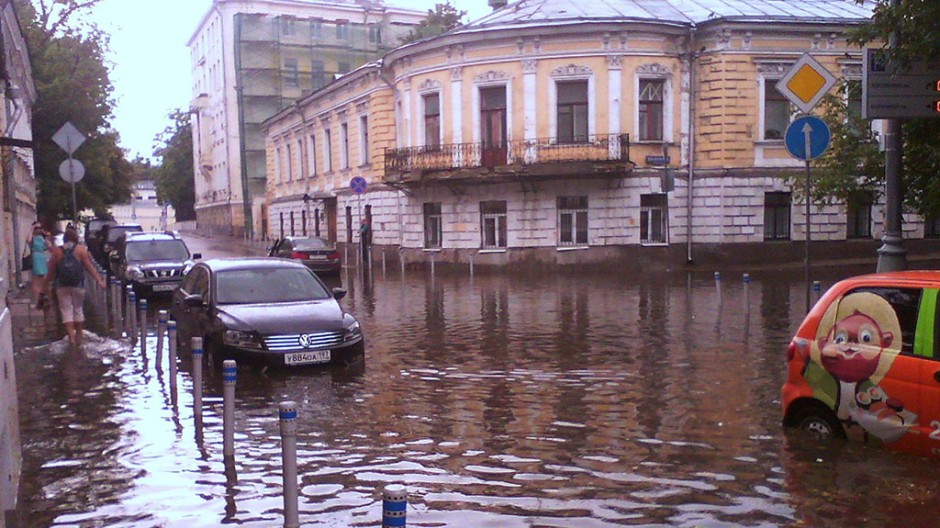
806,83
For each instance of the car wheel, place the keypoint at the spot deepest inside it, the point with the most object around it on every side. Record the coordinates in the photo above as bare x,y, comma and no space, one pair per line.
820,422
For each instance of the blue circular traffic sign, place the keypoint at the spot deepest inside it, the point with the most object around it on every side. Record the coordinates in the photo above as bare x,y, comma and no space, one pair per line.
358,185
807,130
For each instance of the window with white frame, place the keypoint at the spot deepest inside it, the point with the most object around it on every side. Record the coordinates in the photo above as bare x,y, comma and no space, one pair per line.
432,121
375,33
493,224
313,154
653,216
344,145
433,227
858,215
572,220
300,158
290,162
572,111
291,75
278,176
288,25
327,151
776,111
342,29
651,109
776,216
364,156
316,29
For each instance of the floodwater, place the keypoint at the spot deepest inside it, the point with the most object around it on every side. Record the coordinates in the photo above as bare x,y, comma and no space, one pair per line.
498,401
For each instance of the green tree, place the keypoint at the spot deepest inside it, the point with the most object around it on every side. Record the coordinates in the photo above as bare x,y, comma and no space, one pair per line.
73,85
174,175
442,18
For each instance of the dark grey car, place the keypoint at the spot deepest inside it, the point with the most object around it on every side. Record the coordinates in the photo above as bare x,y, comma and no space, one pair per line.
152,263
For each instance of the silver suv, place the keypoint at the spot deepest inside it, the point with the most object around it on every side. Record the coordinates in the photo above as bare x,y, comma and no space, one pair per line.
152,262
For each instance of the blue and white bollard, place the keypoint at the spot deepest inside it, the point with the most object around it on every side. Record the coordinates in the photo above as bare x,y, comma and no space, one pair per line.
288,417
747,278
229,376
817,289
171,337
394,506
131,319
717,275
197,377
142,320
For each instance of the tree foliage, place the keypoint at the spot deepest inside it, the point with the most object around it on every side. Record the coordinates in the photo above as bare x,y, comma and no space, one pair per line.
174,175
442,18
73,85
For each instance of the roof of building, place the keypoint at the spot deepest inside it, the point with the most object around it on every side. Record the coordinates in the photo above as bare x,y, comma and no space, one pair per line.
683,12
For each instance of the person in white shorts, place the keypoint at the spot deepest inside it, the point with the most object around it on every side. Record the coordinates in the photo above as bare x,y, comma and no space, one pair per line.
71,295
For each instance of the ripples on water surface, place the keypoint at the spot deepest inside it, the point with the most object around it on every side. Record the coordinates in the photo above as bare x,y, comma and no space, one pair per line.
503,402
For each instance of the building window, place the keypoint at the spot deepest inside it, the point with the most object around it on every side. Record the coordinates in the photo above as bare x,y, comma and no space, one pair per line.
653,218
776,111
493,224
290,163
316,29
932,227
853,97
572,220
375,34
433,228
651,109
342,30
344,145
288,25
364,156
291,77
858,216
777,216
317,74
313,155
572,108
432,121
278,172
327,151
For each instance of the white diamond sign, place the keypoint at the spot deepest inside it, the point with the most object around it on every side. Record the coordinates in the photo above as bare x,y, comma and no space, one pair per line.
68,138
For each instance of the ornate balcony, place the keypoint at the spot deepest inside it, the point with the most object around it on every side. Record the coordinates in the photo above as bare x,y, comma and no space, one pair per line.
597,155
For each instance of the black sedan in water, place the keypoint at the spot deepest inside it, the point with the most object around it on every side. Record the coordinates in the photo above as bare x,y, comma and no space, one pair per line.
270,310
318,254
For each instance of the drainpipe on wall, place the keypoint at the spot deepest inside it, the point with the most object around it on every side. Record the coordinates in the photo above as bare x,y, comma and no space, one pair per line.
391,85
691,156
239,88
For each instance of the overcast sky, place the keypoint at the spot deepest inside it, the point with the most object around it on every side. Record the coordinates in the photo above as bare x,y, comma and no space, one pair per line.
151,68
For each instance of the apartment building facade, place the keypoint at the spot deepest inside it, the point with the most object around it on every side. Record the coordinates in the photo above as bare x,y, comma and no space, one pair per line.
562,133
250,59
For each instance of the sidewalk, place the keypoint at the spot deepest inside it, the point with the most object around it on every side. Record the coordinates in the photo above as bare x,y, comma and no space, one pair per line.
31,326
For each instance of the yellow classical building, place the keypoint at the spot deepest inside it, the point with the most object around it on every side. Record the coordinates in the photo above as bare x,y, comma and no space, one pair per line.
564,132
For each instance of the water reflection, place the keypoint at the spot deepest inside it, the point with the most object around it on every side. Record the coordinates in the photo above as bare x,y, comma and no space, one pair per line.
499,401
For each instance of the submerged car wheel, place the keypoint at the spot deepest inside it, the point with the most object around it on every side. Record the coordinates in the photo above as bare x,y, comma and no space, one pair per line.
819,422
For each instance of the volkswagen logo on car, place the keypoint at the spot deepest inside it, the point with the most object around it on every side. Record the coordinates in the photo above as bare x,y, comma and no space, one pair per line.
306,340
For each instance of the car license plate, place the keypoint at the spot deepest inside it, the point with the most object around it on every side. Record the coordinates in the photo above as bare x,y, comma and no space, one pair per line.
164,287
306,358
317,257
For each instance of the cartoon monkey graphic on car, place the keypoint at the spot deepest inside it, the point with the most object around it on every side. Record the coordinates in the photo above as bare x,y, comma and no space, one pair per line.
856,343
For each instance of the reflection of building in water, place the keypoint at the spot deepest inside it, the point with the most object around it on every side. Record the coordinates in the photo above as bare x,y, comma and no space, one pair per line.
144,209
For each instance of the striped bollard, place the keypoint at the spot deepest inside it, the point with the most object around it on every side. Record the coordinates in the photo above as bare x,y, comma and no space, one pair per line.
229,375
162,317
197,377
471,264
817,289
171,337
129,311
394,506
115,302
131,322
432,264
288,417
142,320
383,261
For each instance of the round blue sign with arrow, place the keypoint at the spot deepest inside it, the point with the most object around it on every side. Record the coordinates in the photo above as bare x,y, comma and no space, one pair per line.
358,185
807,137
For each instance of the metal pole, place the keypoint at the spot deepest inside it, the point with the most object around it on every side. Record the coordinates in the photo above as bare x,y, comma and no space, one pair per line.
229,375
162,317
288,417
808,225
74,200
394,506
197,377
171,337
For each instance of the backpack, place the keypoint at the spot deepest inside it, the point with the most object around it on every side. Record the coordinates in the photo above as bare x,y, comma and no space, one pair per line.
70,272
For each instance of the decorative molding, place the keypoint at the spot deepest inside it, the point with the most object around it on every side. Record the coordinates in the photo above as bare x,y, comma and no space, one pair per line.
520,46
456,73
623,41
572,70
362,107
530,65
606,41
537,43
491,76
746,41
614,62
724,38
655,69
816,38
831,42
429,85
773,68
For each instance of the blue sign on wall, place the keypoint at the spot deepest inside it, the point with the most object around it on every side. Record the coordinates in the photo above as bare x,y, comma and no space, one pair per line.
796,136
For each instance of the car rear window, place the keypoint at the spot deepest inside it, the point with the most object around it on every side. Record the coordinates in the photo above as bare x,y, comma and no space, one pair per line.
310,244
268,285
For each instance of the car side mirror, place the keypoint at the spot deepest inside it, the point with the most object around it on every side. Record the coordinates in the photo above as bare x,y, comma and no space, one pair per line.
194,300
338,293
197,256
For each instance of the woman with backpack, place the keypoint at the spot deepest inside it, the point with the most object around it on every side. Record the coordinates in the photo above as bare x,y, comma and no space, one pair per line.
69,264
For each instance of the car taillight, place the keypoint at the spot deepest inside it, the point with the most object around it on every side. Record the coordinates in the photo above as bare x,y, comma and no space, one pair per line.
298,255
333,255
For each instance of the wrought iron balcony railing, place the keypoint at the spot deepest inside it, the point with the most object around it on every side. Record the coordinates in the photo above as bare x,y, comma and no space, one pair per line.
597,148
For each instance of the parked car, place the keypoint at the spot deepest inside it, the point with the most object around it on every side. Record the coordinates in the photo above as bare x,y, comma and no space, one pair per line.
151,262
93,235
109,235
865,363
268,310
318,254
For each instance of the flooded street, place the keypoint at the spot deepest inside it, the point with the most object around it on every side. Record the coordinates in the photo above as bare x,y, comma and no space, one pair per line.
573,401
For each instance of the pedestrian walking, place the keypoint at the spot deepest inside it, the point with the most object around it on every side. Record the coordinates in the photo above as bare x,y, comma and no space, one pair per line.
39,245
365,238
69,264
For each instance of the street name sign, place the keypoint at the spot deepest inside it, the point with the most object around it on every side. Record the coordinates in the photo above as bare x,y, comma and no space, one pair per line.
807,137
891,94
805,83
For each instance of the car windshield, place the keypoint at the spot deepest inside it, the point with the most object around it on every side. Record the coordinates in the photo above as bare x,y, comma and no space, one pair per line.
268,285
157,250
308,244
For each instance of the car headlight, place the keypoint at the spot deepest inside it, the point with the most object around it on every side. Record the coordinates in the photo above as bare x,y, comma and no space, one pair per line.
241,339
134,273
352,331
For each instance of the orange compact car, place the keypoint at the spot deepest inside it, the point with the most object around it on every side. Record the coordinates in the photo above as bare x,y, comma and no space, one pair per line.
865,363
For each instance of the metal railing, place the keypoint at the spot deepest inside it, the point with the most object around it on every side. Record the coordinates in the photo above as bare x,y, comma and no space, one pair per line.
606,147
